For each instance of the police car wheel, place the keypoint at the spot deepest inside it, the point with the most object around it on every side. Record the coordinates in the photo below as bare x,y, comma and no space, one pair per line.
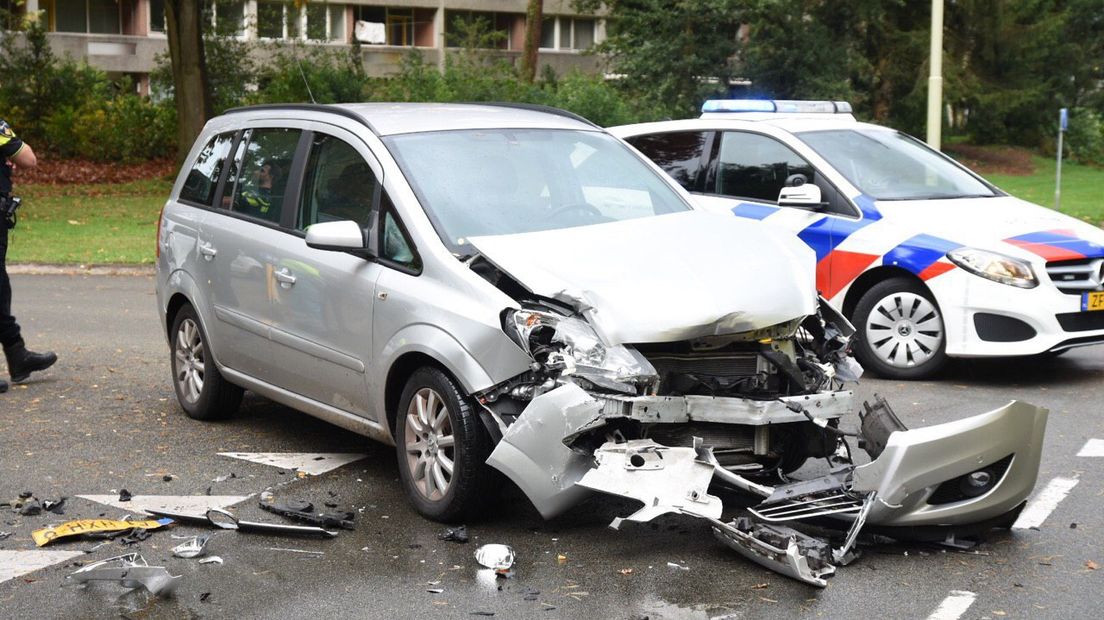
200,388
900,330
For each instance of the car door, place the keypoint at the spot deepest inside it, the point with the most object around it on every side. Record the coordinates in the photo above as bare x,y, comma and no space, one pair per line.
745,173
322,325
240,245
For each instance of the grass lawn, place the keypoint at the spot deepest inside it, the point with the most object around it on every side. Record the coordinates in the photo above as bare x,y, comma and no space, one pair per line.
1082,188
88,224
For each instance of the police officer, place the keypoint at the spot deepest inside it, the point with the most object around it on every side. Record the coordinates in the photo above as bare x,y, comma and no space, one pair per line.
21,362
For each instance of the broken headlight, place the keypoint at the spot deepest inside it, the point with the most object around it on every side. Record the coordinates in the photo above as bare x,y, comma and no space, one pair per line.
574,345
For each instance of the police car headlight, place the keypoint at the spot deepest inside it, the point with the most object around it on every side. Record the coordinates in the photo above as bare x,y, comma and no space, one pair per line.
995,267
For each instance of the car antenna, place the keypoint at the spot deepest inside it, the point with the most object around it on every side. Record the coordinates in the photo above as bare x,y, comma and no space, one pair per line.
305,82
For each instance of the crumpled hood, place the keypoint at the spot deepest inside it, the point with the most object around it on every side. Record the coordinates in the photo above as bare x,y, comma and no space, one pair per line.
665,278
1003,224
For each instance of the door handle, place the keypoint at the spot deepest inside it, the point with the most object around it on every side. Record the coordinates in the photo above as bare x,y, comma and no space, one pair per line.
284,277
207,250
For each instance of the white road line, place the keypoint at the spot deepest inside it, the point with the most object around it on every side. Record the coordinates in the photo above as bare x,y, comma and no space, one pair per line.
16,563
310,463
183,504
1093,447
953,606
1039,507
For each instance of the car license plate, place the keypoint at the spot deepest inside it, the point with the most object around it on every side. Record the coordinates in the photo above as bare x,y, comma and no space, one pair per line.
1092,301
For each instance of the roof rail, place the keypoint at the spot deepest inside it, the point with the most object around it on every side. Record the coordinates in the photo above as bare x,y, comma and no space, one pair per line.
536,107
312,107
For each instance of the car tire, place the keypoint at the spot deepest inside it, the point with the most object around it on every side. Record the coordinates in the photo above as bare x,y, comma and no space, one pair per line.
440,441
200,388
900,330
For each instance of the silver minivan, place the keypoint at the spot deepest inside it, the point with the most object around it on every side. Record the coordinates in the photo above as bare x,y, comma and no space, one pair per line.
513,286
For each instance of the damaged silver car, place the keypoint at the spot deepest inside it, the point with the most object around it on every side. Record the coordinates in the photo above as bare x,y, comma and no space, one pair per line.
514,287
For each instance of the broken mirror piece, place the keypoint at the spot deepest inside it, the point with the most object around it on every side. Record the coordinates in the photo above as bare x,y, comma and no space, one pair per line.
129,570
498,557
458,534
192,547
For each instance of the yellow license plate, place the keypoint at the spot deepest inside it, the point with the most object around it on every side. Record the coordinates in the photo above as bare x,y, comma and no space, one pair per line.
1092,301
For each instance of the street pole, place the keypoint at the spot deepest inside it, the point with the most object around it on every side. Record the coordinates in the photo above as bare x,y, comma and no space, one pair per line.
1063,124
935,77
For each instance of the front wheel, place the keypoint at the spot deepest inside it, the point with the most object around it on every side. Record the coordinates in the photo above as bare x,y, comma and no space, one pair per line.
900,330
442,448
202,391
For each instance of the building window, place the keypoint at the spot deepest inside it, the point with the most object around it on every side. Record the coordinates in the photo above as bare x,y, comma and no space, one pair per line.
495,25
89,16
379,25
157,15
270,20
229,18
569,33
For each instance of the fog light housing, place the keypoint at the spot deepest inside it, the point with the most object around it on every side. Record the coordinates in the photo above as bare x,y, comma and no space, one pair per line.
973,484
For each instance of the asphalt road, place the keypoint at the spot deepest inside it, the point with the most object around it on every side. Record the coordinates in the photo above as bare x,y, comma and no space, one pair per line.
105,419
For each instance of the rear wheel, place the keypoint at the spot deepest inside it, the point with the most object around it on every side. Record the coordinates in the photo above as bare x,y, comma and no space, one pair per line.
200,388
900,330
442,448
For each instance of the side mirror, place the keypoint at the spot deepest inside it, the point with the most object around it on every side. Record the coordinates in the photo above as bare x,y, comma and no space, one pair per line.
343,236
805,196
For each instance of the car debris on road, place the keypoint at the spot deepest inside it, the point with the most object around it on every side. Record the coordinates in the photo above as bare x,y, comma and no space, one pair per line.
131,571
83,527
226,520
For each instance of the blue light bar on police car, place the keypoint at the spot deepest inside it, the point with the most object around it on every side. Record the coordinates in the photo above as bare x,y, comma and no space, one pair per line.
776,105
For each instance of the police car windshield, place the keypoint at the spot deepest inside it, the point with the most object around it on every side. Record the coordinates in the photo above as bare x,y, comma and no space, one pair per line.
504,181
889,165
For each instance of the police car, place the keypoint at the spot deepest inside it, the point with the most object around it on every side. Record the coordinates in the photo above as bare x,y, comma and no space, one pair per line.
926,258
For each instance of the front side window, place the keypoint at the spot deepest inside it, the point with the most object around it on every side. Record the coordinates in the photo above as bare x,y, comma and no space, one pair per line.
265,161
758,167
202,180
339,184
499,181
889,165
395,246
679,153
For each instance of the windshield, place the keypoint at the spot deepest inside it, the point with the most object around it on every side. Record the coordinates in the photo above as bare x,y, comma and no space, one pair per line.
504,181
889,165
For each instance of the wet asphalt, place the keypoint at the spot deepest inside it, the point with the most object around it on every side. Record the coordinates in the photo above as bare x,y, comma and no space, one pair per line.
105,419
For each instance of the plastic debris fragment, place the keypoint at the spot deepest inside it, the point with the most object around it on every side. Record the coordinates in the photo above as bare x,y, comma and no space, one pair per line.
192,548
131,571
498,557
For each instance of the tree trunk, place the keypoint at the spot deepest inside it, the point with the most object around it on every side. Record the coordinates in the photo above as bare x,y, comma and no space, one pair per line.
184,22
534,15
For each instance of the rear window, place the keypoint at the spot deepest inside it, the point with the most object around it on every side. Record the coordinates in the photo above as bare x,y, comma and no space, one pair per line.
202,180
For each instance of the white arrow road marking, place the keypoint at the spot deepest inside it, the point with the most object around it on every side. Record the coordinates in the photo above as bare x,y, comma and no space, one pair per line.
1039,507
953,606
309,463
197,505
16,563
1092,447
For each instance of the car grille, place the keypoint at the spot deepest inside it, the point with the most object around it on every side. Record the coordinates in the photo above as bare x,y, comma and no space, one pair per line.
1074,277
1081,321
728,364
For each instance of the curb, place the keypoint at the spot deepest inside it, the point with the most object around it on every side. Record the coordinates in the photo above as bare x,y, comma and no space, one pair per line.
37,269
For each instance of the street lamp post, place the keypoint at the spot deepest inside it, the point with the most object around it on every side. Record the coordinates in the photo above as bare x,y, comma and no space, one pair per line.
935,77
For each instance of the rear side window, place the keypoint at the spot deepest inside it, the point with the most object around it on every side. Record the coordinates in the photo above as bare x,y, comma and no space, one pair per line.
757,167
339,184
678,153
265,163
202,180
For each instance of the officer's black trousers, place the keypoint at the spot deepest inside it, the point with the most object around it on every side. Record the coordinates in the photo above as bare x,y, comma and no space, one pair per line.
9,329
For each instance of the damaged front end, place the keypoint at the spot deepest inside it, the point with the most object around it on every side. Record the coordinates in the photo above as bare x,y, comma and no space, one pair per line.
668,424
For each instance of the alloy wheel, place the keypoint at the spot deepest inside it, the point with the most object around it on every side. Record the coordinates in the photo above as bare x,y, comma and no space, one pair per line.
904,330
429,443
190,360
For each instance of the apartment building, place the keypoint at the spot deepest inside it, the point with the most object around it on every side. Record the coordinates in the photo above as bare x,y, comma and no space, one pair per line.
125,36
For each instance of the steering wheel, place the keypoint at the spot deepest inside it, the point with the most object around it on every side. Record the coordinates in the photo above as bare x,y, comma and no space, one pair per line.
575,206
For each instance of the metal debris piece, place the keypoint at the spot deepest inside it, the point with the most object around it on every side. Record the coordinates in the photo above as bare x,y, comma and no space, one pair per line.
125,496
224,519
779,548
457,534
435,590
498,557
131,571
214,559
303,511
678,566
192,548
56,507
4,535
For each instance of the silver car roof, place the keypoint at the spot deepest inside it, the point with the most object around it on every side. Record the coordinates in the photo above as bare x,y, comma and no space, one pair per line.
386,119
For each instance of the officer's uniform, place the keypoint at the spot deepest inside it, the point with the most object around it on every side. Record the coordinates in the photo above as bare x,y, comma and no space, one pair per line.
21,362
10,145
